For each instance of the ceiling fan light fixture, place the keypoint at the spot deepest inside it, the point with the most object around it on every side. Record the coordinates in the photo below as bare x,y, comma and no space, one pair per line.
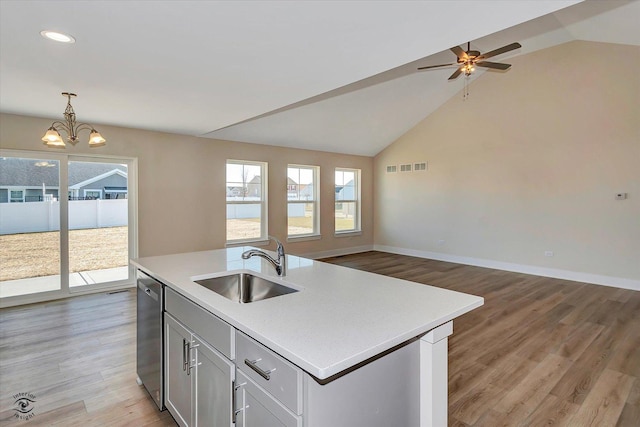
58,37
466,61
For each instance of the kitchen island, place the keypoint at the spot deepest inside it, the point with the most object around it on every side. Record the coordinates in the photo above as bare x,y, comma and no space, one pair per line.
343,330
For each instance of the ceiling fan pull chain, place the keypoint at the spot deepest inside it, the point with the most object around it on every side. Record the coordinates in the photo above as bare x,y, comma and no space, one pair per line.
465,92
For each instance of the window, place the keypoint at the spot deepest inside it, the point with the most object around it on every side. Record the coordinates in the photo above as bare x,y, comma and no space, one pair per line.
347,209
92,194
302,201
246,201
17,196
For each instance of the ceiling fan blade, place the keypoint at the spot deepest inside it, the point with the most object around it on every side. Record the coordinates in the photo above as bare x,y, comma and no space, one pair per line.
459,52
436,66
494,65
456,74
500,51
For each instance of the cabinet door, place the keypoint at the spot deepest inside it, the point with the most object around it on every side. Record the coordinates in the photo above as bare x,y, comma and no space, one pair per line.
178,389
260,409
214,376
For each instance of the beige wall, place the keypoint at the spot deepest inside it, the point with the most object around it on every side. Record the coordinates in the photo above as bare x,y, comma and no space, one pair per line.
530,162
181,183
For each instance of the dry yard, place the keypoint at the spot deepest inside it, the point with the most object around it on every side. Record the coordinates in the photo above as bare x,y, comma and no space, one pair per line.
250,227
38,254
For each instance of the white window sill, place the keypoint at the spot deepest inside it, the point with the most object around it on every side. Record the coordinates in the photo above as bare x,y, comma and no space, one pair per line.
304,238
348,233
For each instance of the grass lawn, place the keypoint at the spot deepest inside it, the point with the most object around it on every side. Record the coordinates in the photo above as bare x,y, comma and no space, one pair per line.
247,228
38,254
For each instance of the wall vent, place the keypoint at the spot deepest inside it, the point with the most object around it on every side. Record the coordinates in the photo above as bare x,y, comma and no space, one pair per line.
405,168
392,169
420,166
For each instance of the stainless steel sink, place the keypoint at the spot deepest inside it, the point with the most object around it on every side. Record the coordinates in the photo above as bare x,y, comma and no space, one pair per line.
245,287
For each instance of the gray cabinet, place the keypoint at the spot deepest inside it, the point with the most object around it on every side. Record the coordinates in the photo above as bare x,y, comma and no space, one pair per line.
178,389
257,387
213,386
198,378
257,408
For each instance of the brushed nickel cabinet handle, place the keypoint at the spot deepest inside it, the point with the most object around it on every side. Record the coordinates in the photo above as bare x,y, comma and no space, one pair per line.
253,365
233,402
185,361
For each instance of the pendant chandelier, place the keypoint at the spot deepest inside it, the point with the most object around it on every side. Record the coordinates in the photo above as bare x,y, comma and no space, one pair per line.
53,139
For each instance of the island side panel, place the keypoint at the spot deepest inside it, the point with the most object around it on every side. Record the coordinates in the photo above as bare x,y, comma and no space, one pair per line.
382,393
434,376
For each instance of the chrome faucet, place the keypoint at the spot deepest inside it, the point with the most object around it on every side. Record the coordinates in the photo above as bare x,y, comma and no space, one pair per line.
279,264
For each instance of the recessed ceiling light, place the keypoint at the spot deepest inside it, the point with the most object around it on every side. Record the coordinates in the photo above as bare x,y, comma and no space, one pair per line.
59,37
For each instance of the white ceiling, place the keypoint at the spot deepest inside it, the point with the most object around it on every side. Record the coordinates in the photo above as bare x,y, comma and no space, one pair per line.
193,67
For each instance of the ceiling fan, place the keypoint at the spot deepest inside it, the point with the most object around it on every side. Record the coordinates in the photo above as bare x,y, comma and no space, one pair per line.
469,59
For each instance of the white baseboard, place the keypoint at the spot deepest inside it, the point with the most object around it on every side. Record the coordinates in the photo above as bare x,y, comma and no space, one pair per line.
337,252
576,276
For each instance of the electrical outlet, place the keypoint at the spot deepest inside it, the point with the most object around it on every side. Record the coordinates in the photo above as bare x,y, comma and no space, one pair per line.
548,253
440,242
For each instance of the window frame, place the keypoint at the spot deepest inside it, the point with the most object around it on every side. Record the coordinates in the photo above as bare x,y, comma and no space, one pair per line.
357,228
263,203
16,199
315,201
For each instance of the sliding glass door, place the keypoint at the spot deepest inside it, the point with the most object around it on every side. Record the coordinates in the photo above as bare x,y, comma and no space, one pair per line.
98,222
67,224
29,226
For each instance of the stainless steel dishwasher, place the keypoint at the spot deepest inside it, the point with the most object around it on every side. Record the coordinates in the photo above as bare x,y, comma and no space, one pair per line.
150,358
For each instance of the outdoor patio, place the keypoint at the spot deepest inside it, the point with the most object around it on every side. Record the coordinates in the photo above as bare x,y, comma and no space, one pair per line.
32,285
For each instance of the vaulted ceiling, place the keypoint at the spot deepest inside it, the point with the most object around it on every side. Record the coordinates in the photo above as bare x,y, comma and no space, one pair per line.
330,76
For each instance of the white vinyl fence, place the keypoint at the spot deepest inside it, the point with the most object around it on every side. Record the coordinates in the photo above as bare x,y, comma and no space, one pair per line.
253,210
45,216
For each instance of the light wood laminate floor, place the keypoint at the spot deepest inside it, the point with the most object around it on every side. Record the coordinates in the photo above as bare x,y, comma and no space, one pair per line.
539,352
78,358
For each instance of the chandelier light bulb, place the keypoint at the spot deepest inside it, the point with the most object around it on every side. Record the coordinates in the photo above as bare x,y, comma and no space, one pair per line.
95,139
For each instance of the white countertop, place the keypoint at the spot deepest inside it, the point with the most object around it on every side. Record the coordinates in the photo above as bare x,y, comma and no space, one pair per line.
340,317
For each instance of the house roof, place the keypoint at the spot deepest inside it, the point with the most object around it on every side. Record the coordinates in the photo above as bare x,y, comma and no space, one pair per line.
331,76
95,178
23,172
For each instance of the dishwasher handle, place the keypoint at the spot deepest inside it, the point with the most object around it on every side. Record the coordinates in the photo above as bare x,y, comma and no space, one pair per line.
147,290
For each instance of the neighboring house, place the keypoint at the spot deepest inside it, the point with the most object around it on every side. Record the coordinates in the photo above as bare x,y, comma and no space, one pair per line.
297,191
292,189
32,180
345,192
254,187
109,185
235,191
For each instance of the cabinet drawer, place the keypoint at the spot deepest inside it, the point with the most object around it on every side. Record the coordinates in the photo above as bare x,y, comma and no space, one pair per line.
282,379
212,329
258,408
